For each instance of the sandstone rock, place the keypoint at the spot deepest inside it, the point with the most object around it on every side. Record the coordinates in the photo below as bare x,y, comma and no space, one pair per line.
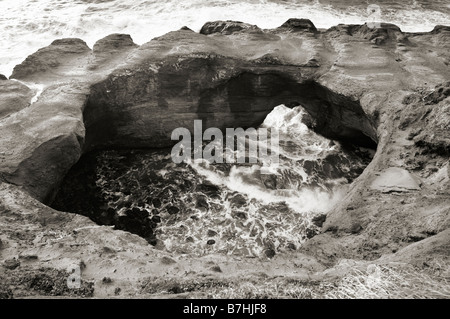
380,35
113,42
14,96
299,25
440,28
42,143
113,46
395,179
226,27
48,58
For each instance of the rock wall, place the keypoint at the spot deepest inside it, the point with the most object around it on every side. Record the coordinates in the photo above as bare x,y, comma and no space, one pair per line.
140,108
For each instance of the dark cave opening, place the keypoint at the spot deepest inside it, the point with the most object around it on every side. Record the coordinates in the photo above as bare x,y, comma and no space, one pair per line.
247,98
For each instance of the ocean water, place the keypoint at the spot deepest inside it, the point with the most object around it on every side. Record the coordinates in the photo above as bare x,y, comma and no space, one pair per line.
27,25
198,207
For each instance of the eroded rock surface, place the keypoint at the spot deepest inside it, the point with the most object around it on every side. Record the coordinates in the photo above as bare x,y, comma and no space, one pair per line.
372,86
15,97
396,179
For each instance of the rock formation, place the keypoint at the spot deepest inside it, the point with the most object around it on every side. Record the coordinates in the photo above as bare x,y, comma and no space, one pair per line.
377,86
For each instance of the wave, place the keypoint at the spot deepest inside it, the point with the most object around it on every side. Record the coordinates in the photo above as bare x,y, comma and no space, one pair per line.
29,25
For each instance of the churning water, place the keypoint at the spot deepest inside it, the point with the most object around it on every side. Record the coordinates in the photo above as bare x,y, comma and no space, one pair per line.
27,25
199,207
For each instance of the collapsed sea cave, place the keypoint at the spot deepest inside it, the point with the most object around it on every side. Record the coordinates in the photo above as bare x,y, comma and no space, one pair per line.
127,179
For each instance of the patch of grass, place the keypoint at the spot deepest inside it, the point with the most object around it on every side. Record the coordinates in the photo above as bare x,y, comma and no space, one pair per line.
42,282
389,282
155,285
273,289
377,282
397,281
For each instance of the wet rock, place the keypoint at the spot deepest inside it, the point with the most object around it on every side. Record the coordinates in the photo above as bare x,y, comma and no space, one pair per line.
269,181
309,166
209,189
137,213
137,222
318,220
309,120
211,233
387,32
211,242
126,204
225,27
238,200
330,167
14,96
299,25
156,202
173,210
49,58
156,219
202,202
108,216
239,215
113,43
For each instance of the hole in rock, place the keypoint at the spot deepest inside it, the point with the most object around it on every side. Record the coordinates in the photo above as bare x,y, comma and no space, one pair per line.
198,207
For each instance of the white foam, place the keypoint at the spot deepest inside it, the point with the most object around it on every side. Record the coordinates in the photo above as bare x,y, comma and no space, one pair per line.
246,180
28,25
37,88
